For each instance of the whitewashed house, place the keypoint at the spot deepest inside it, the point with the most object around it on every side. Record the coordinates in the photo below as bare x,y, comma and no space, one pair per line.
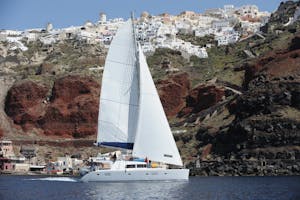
64,162
31,36
220,24
229,10
201,32
249,10
15,43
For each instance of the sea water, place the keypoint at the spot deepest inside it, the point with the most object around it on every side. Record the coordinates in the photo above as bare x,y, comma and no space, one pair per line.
206,188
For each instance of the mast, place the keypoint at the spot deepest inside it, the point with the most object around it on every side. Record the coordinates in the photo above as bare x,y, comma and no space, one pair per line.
137,66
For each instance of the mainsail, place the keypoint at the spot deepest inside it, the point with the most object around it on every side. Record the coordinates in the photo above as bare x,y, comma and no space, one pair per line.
154,138
119,93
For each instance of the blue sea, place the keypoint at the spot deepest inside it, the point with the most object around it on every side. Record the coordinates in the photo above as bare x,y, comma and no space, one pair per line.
206,188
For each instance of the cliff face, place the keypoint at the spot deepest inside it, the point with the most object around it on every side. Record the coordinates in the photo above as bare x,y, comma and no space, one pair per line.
264,137
25,103
172,92
281,16
71,109
282,64
264,133
202,97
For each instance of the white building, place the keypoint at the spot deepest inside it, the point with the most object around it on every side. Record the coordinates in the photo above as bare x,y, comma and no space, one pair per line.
225,39
49,27
220,24
229,10
102,18
201,32
64,162
31,36
249,10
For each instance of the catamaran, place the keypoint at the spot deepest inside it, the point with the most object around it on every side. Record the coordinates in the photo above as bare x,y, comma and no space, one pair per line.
131,118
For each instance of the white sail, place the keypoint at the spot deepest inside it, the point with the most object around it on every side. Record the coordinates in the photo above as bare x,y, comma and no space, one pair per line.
119,93
154,138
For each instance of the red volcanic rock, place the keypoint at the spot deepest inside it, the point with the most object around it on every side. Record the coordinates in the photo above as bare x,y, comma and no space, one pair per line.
172,92
203,96
73,111
24,103
276,64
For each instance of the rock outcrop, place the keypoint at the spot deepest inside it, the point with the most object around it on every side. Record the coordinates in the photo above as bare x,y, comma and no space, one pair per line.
278,64
281,16
24,103
202,97
71,111
172,92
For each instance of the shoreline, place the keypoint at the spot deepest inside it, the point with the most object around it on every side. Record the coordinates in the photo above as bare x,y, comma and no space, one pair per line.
10,173
192,174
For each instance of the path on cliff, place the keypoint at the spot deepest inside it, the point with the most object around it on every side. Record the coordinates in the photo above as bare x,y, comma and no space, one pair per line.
5,83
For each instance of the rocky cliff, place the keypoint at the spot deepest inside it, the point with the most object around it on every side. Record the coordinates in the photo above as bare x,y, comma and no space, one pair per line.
263,138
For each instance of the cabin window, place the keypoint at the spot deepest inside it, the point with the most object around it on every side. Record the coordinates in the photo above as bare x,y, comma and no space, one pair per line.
130,166
141,166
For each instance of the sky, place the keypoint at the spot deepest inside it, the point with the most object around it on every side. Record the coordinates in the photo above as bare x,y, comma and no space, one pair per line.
25,14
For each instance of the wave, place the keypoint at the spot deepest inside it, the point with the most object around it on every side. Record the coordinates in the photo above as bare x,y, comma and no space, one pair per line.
61,179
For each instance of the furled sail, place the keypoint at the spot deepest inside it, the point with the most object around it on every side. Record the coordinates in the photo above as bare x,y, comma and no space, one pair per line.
119,98
154,138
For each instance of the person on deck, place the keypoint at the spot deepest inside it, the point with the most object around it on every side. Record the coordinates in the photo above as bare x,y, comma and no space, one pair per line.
114,158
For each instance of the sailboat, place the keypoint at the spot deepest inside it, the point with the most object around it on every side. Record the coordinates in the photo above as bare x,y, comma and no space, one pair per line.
131,118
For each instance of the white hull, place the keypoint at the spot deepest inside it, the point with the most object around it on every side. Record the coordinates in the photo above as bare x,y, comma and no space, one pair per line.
146,174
